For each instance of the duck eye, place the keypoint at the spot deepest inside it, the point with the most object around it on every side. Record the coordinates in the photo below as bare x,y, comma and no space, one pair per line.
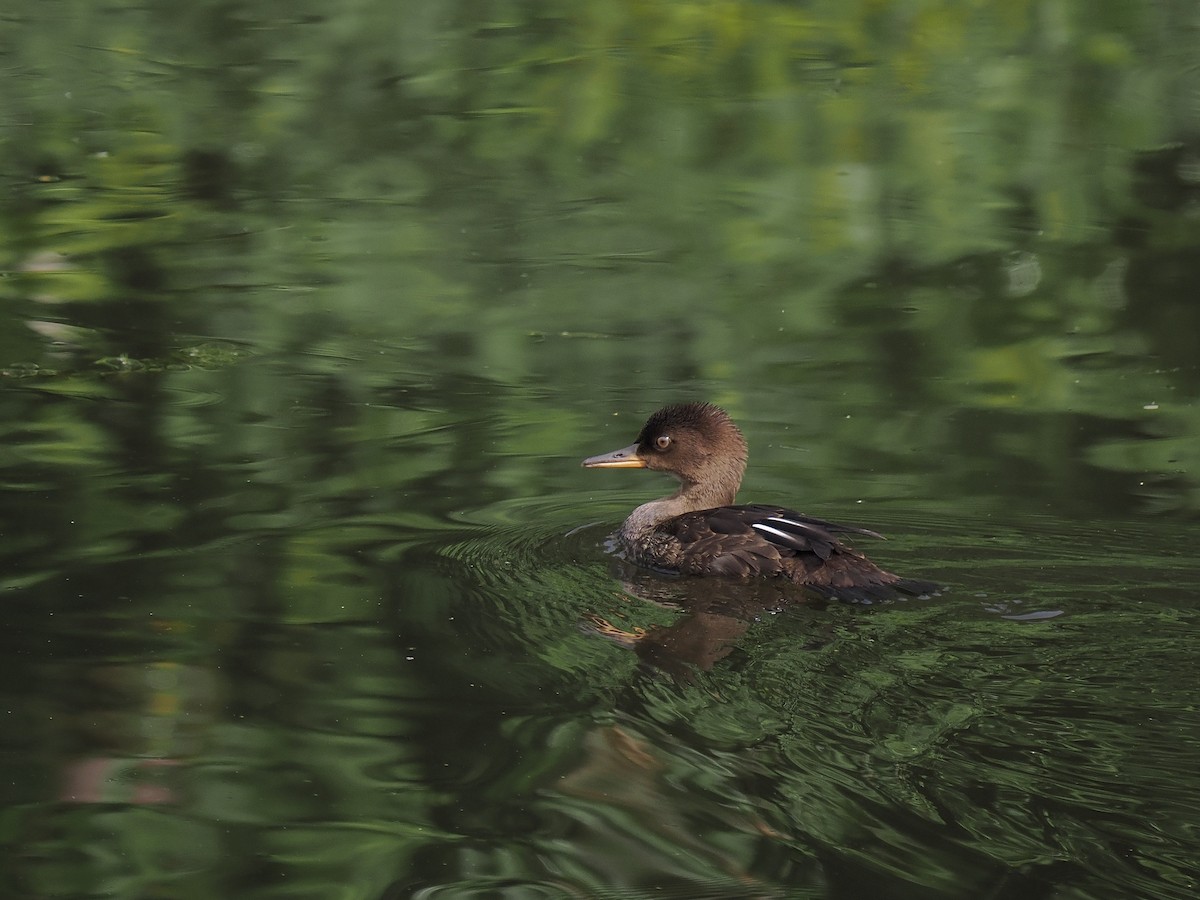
663,441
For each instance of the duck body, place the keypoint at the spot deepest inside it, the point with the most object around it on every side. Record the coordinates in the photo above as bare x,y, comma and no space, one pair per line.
699,530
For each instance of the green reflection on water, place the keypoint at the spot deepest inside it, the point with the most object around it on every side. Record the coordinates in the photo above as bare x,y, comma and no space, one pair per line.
308,317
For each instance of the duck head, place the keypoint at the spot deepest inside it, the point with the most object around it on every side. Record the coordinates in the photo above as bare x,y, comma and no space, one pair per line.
697,443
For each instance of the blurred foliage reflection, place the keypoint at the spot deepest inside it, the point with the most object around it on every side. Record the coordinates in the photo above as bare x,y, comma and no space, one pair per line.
307,315
1004,194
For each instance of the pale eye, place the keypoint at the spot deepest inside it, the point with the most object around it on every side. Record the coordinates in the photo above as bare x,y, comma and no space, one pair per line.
662,442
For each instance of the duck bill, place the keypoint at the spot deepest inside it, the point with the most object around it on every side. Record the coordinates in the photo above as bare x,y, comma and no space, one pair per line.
625,458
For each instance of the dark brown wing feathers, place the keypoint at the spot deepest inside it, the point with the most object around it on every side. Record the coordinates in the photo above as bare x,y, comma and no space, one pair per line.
772,540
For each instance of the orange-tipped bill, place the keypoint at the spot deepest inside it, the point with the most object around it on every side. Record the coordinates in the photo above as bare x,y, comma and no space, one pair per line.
625,458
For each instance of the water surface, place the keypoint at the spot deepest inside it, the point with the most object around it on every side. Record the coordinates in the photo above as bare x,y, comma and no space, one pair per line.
308,319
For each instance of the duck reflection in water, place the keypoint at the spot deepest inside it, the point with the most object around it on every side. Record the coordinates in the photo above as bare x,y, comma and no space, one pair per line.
699,531
715,613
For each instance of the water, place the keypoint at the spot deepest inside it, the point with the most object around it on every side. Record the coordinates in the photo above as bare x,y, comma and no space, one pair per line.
307,321
297,665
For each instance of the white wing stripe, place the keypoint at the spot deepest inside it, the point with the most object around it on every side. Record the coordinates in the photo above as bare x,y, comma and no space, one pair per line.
790,538
784,521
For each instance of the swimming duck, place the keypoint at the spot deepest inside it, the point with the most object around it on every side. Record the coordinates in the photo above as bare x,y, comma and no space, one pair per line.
699,531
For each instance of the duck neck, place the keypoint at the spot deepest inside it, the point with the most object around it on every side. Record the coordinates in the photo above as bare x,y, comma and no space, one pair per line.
691,497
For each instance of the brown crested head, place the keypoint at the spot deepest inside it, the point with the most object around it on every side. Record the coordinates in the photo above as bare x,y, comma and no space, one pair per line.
697,442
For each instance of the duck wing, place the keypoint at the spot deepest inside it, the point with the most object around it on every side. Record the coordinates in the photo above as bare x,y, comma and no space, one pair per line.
760,540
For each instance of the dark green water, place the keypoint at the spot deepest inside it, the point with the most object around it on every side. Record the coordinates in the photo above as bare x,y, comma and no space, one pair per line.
308,317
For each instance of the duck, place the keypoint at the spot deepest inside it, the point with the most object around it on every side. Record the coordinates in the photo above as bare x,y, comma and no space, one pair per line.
699,530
